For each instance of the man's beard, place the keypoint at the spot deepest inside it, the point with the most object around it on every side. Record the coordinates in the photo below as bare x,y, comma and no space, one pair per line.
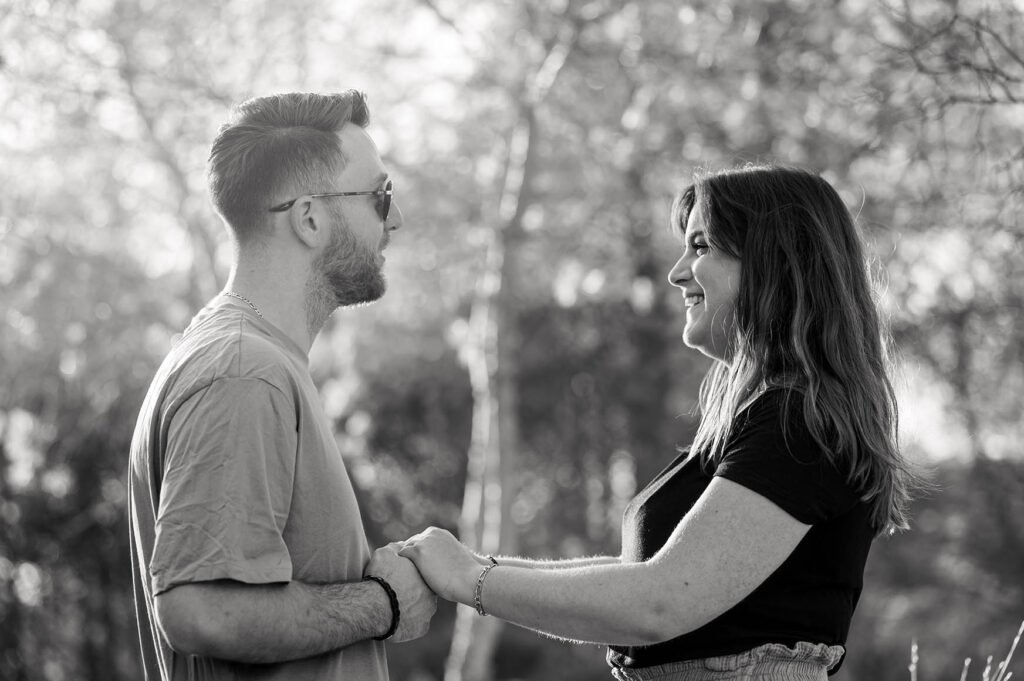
345,273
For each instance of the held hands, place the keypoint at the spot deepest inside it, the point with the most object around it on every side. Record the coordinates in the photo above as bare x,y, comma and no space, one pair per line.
415,599
446,565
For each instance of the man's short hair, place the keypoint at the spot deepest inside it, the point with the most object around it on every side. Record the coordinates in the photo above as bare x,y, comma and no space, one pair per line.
275,148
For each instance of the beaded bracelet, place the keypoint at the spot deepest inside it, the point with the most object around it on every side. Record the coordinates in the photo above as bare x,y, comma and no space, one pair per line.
478,592
396,612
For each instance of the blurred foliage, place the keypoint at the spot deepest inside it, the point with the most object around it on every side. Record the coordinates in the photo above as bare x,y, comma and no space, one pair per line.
108,246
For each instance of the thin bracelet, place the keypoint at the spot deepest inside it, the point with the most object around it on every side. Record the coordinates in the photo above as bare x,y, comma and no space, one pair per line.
396,613
478,592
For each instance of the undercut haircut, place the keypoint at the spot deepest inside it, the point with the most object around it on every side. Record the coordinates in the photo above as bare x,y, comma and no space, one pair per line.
277,147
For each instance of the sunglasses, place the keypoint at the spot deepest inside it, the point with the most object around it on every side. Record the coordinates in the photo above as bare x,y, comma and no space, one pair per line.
383,199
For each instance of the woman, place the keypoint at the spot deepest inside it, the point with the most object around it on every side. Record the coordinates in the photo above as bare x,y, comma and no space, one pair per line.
744,558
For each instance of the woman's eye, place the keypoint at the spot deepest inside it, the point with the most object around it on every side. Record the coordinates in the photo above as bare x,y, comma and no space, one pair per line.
700,247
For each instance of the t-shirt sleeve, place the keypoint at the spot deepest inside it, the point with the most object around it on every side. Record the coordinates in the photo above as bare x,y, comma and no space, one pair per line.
227,486
786,466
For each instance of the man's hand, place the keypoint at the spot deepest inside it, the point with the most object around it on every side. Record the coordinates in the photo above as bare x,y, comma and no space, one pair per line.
415,599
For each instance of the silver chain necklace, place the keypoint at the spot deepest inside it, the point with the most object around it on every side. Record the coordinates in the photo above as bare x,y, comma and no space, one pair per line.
246,301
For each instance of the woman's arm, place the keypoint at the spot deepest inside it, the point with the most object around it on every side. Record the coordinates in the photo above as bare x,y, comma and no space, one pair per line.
555,564
729,543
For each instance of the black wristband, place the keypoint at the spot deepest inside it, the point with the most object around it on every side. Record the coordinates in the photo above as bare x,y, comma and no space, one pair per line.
396,612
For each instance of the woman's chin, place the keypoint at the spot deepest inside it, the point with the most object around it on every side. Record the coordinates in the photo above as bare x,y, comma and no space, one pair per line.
692,338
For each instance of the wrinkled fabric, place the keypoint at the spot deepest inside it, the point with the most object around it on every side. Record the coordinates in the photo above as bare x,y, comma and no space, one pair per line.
769,662
235,474
813,594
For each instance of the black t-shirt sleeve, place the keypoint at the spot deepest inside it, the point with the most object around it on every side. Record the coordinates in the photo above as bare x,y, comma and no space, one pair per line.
784,464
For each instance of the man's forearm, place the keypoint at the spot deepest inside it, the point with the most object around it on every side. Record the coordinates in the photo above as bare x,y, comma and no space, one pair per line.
271,623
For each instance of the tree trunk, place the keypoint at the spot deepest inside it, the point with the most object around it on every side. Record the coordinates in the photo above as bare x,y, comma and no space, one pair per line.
494,371
12,664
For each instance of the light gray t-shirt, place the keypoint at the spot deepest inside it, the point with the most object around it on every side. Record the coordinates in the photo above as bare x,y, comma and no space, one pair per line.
235,474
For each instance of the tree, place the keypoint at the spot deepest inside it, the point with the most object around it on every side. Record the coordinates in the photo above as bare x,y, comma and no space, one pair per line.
533,145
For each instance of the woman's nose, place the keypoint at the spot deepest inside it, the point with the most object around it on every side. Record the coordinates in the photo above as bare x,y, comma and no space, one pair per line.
680,273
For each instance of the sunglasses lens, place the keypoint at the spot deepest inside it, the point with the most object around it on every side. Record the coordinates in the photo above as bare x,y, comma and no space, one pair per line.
384,201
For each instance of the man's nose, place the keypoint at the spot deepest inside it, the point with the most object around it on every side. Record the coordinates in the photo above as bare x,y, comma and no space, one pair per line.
394,217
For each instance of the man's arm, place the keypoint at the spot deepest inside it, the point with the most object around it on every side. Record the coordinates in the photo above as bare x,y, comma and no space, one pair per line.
270,623
275,623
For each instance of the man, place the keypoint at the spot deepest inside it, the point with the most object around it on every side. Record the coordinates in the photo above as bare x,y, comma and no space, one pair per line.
248,547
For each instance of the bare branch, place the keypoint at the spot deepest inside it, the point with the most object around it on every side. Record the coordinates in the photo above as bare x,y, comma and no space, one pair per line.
203,279
1019,58
960,49
442,17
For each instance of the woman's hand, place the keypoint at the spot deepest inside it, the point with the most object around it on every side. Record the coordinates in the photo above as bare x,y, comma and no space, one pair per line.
448,567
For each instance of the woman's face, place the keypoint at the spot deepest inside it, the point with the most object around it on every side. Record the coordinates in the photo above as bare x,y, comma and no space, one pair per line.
709,280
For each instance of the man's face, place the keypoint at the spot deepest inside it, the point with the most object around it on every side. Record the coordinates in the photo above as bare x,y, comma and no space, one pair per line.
349,268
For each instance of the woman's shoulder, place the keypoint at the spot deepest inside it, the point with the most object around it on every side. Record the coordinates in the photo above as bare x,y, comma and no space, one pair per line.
773,402
773,451
775,424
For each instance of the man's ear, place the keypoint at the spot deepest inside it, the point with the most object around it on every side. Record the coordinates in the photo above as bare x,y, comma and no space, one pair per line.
307,222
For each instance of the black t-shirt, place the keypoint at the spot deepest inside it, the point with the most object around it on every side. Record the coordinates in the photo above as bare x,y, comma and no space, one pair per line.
812,595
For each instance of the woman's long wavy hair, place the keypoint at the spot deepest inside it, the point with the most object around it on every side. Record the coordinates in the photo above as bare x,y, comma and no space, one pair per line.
806,321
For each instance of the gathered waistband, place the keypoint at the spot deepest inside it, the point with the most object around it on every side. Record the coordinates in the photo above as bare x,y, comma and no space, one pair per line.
769,662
